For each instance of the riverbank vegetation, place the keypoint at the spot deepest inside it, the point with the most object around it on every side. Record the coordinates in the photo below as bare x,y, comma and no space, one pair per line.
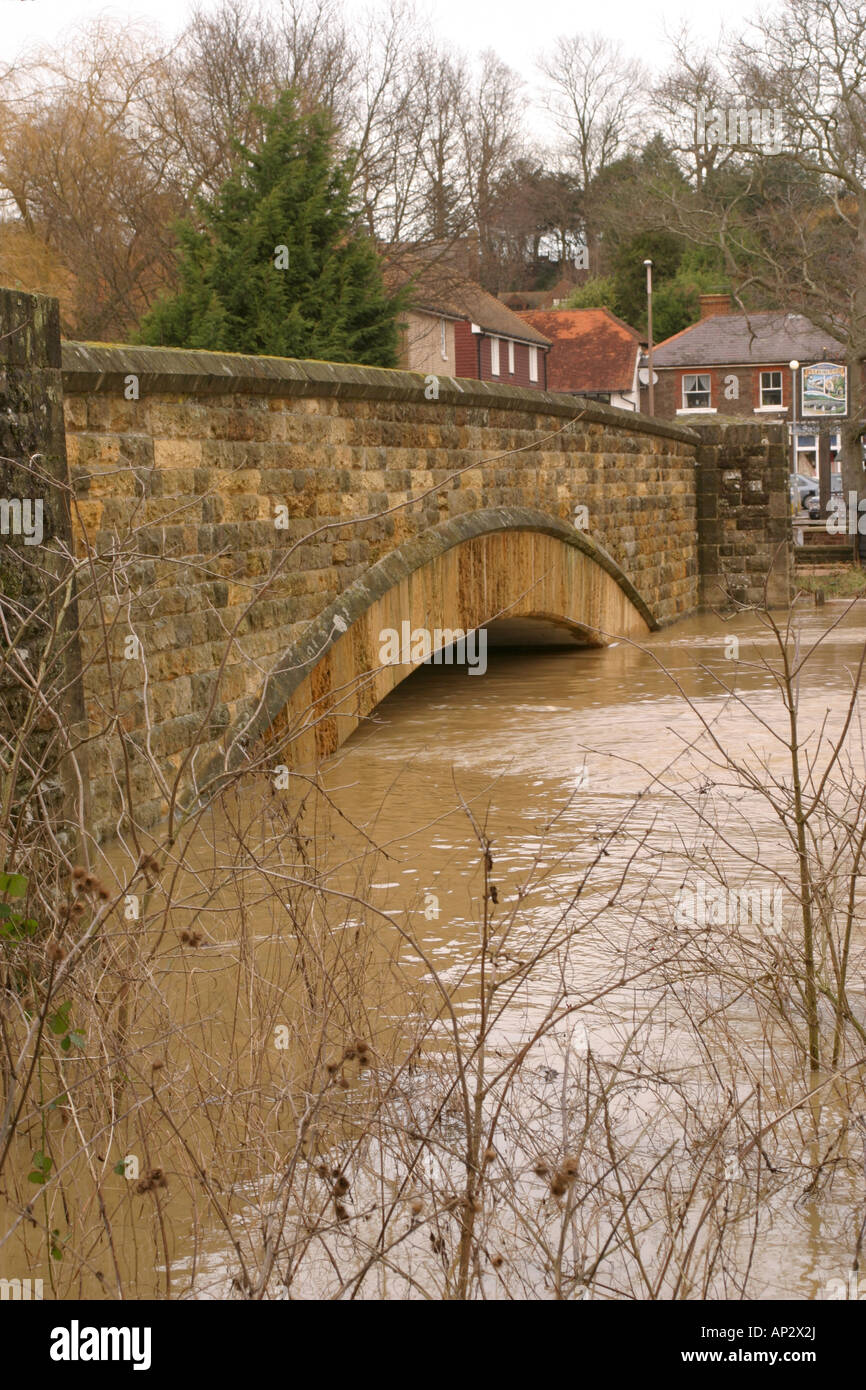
833,581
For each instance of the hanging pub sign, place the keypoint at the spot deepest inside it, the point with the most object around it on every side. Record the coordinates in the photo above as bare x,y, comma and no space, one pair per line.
825,389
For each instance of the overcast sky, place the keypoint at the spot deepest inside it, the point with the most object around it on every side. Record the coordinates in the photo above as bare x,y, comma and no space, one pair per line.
517,31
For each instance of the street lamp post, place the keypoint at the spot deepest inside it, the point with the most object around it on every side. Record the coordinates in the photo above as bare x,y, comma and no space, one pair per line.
649,319
794,365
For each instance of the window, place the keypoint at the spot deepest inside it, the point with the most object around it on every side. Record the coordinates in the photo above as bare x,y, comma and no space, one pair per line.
443,341
511,357
494,356
533,363
696,392
771,388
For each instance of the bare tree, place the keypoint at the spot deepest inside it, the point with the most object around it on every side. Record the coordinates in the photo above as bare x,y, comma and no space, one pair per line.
595,99
439,113
235,58
89,198
684,100
491,140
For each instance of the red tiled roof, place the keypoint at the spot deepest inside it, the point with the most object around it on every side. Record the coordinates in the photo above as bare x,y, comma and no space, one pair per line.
592,349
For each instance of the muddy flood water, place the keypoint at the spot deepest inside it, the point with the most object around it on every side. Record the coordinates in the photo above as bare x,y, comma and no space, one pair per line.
579,768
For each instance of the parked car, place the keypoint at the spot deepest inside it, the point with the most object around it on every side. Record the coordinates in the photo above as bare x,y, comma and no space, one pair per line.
813,501
802,488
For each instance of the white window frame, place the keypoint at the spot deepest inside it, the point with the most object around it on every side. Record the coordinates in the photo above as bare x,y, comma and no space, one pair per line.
511,357
770,405
494,357
697,390
533,362
443,340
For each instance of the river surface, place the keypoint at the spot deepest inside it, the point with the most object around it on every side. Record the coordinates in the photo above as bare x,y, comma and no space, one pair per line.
570,762
572,756
554,746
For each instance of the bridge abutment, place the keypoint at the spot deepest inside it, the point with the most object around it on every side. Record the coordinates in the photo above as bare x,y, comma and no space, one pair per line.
744,515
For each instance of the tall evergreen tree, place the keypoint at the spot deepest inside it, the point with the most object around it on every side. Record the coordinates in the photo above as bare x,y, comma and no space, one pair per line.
275,264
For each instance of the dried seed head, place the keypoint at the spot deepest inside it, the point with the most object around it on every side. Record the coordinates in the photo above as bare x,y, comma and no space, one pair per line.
333,1066
558,1186
103,893
53,952
342,1214
541,1168
77,909
361,1046
489,1154
91,882
157,1065
78,873
341,1185
153,1178
348,1054
570,1168
496,1261
417,1206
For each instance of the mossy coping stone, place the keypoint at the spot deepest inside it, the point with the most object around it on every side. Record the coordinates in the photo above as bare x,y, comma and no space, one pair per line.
96,367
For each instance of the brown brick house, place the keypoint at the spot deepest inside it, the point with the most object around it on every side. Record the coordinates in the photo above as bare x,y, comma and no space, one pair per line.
738,365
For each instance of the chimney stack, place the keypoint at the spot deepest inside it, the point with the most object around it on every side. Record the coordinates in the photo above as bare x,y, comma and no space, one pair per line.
713,304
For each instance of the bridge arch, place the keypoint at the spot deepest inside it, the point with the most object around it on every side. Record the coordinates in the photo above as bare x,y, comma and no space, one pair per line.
510,563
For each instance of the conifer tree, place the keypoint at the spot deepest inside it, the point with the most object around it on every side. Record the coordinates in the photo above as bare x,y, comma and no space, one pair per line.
274,263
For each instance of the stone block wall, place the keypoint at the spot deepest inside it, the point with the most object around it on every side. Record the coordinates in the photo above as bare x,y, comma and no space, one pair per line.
252,492
39,624
744,515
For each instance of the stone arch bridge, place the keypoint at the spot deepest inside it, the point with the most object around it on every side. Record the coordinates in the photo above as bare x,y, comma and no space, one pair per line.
270,518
